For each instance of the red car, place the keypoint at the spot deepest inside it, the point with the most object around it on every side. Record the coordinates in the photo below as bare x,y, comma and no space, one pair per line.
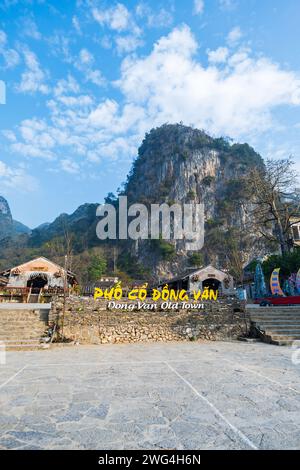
291,300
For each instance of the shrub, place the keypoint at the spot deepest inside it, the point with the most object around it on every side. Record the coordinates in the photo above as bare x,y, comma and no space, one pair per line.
207,181
196,259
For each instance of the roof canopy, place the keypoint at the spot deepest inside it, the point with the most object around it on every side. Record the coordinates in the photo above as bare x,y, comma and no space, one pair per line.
40,264
202,273
3,281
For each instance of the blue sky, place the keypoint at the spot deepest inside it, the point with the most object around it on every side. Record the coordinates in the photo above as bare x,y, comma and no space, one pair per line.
86,79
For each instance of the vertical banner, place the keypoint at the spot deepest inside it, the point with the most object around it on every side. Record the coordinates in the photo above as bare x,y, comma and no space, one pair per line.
298,281
274,283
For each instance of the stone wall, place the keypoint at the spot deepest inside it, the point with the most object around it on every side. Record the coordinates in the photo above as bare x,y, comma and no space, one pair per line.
90,321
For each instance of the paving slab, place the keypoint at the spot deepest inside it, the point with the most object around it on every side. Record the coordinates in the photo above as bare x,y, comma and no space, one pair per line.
198,395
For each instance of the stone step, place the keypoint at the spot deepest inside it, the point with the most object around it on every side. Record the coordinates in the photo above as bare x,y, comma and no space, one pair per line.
283,331
4,321
277,325
276,322
20,347
19,316
283,343
258,313
271,307
288,336
280,325
273,313
21,341
275,317
20,338
21,334
22,325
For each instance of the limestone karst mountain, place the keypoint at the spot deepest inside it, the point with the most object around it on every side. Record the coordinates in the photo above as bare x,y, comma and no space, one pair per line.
6,221
8,226
175,163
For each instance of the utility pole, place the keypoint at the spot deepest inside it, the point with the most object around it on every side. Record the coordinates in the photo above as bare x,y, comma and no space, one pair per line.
65,293
115,259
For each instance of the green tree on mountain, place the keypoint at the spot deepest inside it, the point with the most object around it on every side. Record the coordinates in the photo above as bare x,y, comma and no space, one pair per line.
97,268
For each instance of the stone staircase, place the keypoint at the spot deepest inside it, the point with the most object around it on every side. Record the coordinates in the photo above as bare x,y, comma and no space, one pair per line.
277,325
22,325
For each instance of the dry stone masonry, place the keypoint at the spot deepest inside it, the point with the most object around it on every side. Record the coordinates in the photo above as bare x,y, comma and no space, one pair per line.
90,321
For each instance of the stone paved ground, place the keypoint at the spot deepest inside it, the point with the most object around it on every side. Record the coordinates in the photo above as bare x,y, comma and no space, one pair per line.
151,396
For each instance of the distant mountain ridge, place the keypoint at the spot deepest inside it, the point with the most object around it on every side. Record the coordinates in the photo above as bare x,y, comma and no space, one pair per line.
81,222
19,228
8,226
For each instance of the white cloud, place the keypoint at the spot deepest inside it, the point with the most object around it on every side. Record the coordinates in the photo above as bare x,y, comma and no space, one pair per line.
120,20
76,24
198,7
60,46
86,57
154,19
10,56
227,4
33,79
235,99
234,36
106,42
70,166
9,135
30,28
3,38
128,43
117,18
218,56
76,101
16,178
84,63
96,77
236,94
104,114
68,85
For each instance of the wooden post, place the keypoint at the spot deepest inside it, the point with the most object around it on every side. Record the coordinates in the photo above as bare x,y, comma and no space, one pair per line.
65,295
115,259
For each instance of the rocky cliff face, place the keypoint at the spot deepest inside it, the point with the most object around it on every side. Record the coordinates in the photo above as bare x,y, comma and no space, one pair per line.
9,227
175,164
181,164
6,221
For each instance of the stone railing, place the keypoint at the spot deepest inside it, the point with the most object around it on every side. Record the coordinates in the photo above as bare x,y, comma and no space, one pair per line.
91,321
